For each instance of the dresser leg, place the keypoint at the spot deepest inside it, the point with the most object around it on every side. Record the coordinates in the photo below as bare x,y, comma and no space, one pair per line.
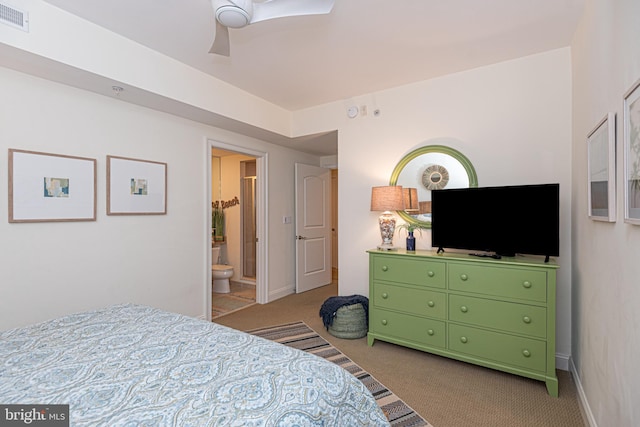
370,340
552,386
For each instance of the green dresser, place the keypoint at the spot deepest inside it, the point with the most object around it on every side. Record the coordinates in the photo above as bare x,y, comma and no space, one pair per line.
495,313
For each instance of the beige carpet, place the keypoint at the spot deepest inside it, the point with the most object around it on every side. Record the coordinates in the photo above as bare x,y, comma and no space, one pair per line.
300,336
446,392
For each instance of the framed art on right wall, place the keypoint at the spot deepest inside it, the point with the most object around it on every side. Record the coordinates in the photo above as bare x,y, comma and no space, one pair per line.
601,153
632,154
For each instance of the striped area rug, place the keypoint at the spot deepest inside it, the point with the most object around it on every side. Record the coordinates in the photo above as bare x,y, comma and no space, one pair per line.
299,335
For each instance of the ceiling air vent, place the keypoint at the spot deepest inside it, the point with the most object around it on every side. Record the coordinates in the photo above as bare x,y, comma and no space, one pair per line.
15,17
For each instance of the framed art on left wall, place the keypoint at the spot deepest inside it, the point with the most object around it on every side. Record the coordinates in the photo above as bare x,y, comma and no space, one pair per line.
136,187
51,187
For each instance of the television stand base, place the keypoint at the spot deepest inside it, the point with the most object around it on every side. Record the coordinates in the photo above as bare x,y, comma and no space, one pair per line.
494,256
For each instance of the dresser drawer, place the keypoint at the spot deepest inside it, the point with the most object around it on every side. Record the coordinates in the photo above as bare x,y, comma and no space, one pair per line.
508,349
402,326
406,270
422,302
499,281
507,316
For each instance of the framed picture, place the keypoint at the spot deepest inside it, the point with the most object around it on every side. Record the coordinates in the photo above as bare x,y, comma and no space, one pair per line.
632,154
51,187
601,153
136,187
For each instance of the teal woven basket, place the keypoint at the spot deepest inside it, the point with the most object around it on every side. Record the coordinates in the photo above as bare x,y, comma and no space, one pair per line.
349,322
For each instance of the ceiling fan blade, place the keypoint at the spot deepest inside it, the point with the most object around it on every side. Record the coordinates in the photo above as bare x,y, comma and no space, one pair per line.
220,44
281,8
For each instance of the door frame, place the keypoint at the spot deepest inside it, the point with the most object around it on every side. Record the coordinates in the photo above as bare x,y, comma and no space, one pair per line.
262,261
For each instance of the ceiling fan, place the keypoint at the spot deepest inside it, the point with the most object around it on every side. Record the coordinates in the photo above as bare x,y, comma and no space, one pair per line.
240,13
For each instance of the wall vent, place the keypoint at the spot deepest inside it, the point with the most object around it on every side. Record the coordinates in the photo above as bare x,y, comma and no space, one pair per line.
15,17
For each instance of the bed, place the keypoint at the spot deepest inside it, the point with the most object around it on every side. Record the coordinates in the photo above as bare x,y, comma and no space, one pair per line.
137,365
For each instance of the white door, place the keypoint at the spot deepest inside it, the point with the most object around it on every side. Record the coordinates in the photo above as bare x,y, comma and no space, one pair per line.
313,227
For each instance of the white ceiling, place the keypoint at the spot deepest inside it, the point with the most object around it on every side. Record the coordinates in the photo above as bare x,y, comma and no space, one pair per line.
362,46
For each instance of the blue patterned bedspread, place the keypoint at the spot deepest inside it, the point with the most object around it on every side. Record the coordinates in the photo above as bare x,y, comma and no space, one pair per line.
131,365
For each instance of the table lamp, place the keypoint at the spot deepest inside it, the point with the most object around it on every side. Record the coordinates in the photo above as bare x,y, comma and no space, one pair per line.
425,207
387,199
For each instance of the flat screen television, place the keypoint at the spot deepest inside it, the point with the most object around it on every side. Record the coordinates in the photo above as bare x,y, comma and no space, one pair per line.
498,221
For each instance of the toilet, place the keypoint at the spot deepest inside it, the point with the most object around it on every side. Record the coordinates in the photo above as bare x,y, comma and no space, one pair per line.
220,272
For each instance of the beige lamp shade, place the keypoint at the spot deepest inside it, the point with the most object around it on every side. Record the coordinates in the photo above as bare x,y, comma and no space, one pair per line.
410,200
387,198
425,207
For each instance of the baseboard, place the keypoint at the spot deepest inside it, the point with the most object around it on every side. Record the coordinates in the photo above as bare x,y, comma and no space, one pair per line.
282,292
562,361
582,397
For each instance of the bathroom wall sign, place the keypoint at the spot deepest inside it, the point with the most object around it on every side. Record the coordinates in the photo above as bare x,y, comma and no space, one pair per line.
227,204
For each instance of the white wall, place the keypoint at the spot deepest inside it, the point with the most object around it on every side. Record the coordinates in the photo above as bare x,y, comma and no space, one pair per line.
512,120
49,269
606,271
62,47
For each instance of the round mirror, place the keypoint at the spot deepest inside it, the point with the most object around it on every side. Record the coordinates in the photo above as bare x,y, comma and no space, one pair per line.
432,167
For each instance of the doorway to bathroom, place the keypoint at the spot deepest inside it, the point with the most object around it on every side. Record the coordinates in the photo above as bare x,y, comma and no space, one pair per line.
235,195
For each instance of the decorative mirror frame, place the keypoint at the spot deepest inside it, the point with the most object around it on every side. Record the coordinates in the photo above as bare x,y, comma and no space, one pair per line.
440,149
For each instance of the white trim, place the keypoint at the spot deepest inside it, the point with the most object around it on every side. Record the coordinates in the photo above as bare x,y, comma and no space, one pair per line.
262,230
207,233
562,361
582,397
283,292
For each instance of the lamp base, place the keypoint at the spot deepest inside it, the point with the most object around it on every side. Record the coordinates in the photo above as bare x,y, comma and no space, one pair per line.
385,247
387,224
